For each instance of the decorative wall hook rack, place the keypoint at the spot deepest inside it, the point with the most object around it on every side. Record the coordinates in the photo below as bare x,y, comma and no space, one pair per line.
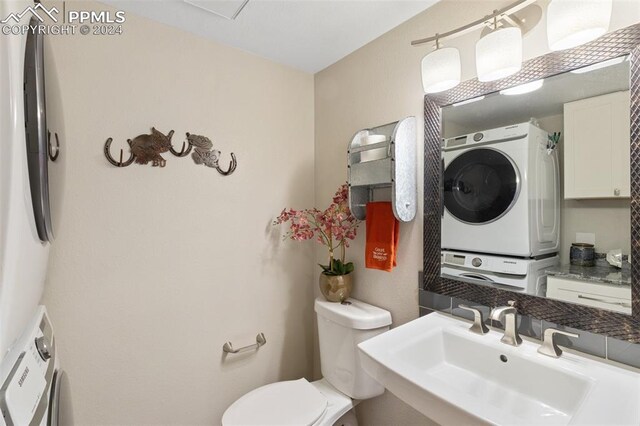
147,148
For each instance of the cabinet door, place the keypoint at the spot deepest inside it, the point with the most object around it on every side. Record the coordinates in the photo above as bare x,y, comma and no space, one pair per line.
622,145
615,298
597,147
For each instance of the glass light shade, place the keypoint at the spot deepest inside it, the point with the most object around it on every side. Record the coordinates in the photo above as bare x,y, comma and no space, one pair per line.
571,23
441,70
499,54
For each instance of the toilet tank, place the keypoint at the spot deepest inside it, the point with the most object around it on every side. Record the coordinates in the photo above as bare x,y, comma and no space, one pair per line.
341,326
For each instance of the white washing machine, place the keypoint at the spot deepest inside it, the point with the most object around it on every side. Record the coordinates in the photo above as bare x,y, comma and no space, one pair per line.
519,275
501,192
31,175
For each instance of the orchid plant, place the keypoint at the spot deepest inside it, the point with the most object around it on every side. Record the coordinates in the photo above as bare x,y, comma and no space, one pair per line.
333,228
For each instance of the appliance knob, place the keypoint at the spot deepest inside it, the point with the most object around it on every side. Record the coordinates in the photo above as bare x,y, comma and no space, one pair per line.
616,192
42,345
478,137
477,262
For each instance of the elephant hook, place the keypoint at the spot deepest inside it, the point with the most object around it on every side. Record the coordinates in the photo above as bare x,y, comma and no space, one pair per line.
116,163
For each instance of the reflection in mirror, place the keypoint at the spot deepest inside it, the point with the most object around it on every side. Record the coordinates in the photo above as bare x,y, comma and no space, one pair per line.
536,188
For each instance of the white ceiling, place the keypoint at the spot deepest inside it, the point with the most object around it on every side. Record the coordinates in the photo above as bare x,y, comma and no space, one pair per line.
306,34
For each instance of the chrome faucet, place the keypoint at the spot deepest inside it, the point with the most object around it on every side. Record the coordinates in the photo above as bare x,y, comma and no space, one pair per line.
478,326
549,346
508,316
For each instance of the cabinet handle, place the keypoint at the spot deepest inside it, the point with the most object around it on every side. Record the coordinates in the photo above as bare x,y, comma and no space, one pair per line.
616,192
608,302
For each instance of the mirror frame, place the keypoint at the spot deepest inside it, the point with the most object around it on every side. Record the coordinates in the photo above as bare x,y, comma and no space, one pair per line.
626,327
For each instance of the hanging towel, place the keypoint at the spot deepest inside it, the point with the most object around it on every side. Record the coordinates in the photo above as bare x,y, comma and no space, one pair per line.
382,236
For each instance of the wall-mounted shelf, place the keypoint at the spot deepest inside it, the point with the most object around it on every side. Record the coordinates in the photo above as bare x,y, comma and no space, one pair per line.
388,163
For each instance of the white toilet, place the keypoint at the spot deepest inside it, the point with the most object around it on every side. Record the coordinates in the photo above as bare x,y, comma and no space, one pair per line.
341,326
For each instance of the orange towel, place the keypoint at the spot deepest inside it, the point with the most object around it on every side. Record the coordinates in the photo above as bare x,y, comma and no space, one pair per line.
382,236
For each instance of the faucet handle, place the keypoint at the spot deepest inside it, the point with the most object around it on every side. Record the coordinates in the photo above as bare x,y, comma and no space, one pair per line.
512,303
478,327
549,346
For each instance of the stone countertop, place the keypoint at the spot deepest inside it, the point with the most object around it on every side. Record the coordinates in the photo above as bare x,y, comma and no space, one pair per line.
601,273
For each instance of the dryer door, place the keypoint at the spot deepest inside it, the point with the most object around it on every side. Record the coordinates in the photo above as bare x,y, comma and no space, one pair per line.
480,185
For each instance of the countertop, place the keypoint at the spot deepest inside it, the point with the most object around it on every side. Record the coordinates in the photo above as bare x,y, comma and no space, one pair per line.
601,273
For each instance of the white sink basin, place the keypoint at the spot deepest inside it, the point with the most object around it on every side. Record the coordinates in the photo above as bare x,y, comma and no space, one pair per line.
436,365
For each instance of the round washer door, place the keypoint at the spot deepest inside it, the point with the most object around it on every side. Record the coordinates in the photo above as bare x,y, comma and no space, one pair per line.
480,186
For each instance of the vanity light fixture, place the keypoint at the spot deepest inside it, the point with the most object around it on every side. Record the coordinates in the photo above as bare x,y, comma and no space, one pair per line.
600,65
441,69
571,23
499,53
523,88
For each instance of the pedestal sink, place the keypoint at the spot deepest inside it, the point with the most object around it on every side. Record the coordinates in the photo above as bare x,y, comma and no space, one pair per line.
436,365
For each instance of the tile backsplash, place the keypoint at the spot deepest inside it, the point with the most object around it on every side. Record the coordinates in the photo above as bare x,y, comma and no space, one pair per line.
590,343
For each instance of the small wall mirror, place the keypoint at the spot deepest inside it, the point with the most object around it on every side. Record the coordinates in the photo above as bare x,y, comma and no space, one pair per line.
536,188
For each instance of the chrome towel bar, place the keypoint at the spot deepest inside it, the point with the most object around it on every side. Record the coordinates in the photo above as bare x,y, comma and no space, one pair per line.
260,341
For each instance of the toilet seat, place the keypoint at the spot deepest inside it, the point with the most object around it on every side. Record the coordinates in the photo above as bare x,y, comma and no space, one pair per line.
293,402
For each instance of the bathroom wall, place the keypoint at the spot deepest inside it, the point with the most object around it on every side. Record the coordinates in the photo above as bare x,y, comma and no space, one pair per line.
377,84
154,269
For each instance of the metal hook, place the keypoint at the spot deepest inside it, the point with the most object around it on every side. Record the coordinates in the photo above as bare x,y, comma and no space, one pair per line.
183,152
232,166
53,156
120,163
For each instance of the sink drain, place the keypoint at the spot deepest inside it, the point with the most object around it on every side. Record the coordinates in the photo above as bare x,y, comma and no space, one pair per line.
503,358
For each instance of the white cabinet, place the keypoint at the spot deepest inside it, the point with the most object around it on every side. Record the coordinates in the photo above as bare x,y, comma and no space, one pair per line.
597,147
612,297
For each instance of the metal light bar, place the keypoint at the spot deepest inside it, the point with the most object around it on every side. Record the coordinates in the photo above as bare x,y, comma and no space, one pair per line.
476,25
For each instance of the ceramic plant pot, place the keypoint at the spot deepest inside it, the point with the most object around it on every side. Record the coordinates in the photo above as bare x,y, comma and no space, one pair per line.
336,288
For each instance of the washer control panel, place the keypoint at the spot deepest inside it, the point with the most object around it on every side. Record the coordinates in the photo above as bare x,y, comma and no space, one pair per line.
482,262
27,371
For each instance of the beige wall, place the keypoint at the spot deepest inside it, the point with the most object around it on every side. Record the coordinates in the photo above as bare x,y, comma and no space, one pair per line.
377,84
154,269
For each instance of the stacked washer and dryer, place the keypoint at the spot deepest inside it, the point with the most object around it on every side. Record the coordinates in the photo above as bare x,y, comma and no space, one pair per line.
31,173
501,207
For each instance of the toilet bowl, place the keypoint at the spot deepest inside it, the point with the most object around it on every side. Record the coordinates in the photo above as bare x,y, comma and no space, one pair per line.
329,401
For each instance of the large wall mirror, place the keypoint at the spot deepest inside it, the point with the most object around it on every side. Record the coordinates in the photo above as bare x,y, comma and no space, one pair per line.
529,185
